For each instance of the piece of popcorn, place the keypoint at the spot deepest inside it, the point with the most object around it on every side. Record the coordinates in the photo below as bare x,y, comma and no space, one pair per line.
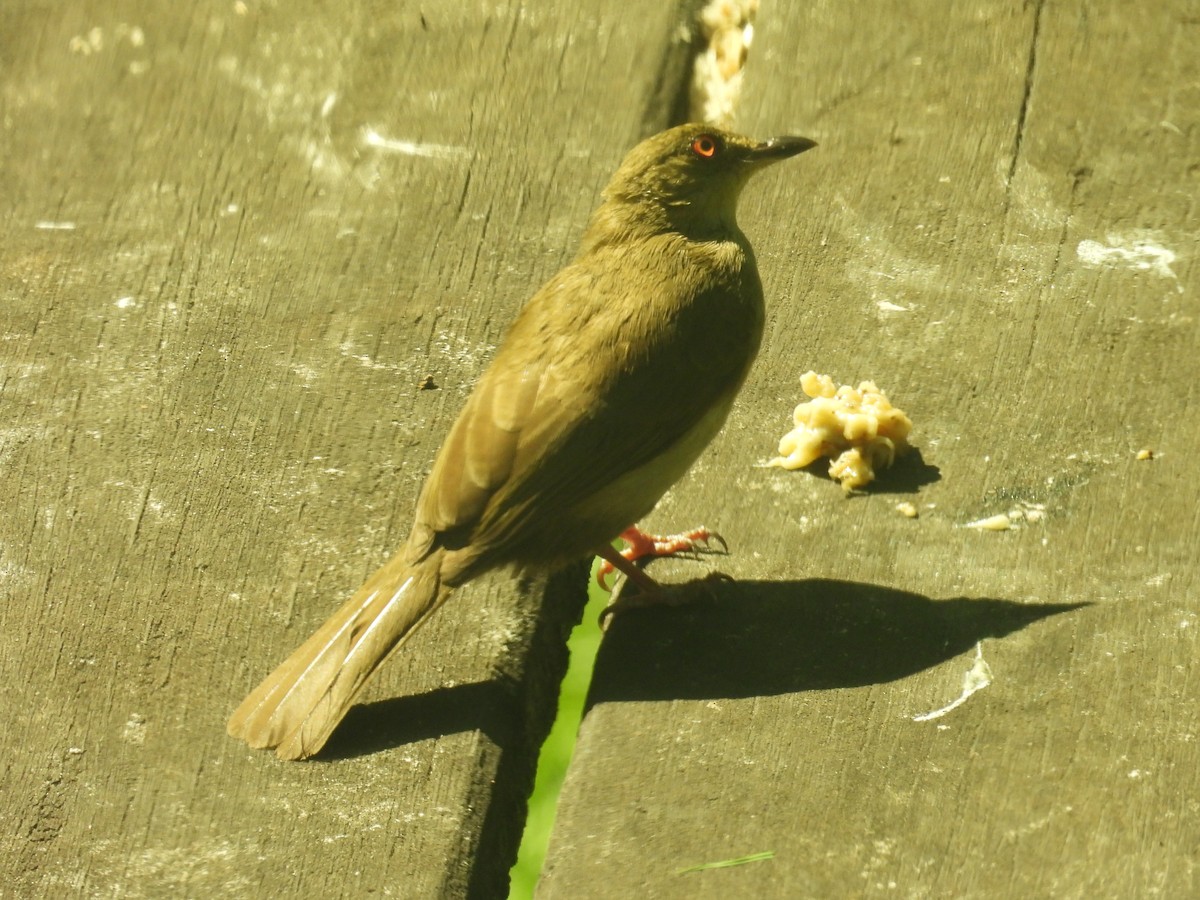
859,426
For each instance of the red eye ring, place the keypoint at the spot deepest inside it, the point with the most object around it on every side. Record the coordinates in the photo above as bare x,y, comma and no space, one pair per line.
706,146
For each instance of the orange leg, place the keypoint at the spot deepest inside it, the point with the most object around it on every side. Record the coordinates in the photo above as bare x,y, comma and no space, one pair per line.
652,593
642,544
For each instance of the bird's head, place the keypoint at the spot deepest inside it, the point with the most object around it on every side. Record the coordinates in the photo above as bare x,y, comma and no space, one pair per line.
695,172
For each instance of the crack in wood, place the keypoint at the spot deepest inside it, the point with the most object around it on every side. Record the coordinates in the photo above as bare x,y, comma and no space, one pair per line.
1023,113
667,103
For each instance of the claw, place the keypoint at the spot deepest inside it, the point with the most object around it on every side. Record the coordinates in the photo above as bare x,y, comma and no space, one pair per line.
640,544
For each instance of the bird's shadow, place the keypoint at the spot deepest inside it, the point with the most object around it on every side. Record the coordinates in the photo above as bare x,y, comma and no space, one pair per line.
740,639
369,728
761,638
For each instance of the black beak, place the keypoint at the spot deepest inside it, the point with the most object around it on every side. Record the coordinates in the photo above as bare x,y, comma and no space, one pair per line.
781,148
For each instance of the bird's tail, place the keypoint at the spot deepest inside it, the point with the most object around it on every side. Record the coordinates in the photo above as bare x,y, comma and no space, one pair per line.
297,706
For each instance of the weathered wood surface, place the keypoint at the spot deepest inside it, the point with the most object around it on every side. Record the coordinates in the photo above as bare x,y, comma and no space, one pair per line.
220,298
967,150
210,429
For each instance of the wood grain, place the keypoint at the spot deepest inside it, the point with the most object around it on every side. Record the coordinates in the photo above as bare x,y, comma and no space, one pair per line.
936,242
238,239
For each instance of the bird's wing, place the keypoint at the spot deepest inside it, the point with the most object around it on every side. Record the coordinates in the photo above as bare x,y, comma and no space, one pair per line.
594,381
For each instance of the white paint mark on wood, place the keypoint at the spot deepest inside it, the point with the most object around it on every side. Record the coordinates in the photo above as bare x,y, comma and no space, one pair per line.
93,41
975,679
372,138
1140,251
135,729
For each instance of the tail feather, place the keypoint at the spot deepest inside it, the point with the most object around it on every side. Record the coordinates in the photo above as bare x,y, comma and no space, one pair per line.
296,707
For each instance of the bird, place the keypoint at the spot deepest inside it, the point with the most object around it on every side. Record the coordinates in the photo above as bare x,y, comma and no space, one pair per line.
610,382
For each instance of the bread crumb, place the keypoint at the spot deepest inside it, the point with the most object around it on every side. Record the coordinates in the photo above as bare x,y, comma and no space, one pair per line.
1145,453
1022,512
998,522
858,427
907,509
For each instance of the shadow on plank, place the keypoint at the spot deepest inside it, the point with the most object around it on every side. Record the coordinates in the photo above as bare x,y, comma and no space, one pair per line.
761,638
736,639
909,474
385,724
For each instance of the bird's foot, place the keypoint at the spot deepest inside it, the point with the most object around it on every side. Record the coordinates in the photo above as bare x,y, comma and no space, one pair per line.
640,545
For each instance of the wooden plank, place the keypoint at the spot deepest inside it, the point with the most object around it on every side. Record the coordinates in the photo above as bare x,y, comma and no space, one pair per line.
938,242
238,238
